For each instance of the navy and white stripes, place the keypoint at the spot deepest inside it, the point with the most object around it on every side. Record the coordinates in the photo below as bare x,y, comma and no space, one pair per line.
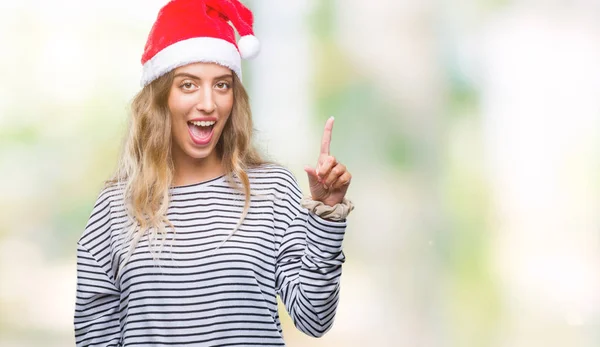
195,294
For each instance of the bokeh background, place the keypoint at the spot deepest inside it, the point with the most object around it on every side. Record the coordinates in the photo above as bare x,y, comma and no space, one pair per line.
472,129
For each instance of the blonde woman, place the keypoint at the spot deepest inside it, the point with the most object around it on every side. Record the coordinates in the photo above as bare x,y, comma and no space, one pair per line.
194,237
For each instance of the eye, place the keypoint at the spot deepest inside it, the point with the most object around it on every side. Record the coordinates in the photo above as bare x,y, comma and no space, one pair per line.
187,86
223,85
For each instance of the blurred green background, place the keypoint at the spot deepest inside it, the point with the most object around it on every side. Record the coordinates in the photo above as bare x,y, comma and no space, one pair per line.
471,129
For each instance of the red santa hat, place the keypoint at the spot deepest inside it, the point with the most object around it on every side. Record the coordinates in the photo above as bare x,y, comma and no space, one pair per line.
191,31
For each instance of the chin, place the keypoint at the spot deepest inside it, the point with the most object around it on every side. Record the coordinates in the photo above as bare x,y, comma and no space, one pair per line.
199,153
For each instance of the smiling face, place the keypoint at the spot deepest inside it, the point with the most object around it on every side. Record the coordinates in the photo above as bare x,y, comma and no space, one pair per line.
200,103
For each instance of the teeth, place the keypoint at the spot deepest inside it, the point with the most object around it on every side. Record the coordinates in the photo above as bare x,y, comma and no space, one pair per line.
203,123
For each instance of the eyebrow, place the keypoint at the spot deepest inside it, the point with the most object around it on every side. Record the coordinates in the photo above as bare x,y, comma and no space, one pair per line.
189,75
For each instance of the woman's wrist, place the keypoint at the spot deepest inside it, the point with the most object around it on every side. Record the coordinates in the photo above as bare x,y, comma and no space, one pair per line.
337,212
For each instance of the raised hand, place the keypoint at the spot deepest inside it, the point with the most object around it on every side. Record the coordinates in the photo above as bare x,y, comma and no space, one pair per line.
330,180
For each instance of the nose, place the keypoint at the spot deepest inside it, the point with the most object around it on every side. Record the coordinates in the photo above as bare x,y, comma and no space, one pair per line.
206,104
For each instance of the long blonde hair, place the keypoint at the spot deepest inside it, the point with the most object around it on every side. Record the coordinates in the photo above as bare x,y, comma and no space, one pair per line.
146,167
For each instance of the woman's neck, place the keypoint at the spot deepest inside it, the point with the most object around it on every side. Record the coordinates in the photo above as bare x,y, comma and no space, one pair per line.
190,170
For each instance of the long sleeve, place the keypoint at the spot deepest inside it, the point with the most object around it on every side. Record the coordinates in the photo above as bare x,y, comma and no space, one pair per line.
309,265
96,319
97,304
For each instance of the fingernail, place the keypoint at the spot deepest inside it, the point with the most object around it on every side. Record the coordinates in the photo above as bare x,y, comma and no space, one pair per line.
326,187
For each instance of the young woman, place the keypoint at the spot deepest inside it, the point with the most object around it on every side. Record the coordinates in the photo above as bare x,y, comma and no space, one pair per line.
195,235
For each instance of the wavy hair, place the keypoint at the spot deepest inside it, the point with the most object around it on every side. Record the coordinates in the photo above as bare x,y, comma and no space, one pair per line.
146,169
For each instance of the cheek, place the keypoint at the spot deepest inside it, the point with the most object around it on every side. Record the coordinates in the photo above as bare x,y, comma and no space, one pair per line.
177,110
225,106
179,104
174,105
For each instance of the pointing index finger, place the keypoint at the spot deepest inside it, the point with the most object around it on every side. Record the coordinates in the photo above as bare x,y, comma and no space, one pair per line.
326,141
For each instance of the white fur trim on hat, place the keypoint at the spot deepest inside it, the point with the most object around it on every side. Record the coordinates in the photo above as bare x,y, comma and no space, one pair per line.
194,50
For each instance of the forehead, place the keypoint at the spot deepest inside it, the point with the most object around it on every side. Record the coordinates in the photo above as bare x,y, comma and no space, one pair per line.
204,70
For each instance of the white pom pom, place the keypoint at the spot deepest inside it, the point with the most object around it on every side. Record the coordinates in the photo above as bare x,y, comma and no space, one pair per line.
248,46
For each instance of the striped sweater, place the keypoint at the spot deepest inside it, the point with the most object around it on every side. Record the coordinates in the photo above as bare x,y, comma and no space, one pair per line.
195,294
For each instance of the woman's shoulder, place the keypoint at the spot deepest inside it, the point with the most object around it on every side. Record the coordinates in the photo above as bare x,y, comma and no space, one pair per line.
111,191
273,173
108,202
109,199
274,176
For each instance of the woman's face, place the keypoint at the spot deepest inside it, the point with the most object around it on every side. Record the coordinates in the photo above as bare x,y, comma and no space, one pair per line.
200,103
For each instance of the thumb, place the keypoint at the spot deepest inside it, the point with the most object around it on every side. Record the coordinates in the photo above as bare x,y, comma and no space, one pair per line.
313,179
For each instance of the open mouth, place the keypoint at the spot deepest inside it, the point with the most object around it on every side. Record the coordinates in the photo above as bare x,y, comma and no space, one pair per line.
201,131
